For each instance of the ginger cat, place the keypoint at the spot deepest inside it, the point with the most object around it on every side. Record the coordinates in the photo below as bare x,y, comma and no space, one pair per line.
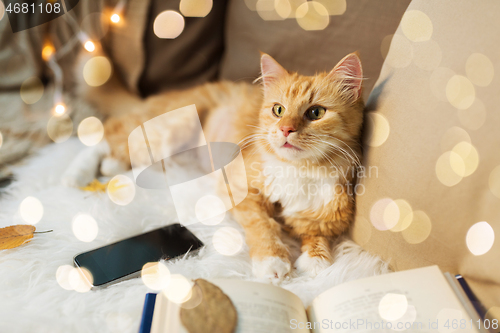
300,142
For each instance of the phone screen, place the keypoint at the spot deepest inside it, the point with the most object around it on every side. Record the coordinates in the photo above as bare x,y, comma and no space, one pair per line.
128,256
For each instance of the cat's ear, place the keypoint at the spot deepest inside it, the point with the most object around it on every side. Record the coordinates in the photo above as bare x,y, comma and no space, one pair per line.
271,70
350,73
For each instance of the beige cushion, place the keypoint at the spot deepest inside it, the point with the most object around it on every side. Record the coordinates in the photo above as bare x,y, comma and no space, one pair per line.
361,28
427,113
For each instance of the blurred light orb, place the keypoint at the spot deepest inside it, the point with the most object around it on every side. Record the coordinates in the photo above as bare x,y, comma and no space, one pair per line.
210,210
452,137
121,190
378,129
494,182
438,82
168,24
480,238
80,279
400,52
90,131
449,168
378,216
334,7
427,55
469,156
89,46
401,211
59,128
227,241
419,228
460,92
85,228
1,139
416,26
62,276
283,8
2,10
179,290
155,275
97,71
195,8
474,117
267,10
31,210
115,18
479,69
312,15
48,51
32,90
60,109
392,306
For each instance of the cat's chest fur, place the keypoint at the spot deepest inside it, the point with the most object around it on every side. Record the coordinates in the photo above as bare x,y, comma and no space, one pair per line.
298,188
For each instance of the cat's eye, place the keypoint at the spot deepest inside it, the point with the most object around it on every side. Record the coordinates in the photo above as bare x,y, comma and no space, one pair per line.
278,110
316,112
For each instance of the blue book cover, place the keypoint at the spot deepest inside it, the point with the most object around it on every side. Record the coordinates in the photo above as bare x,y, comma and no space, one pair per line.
147,313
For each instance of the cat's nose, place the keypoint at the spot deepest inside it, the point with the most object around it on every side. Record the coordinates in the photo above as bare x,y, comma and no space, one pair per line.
287,130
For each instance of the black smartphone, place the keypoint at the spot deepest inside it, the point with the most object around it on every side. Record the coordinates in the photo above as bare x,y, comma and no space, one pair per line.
124,259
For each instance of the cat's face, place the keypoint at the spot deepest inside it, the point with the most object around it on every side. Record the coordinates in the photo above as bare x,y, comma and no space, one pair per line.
312,118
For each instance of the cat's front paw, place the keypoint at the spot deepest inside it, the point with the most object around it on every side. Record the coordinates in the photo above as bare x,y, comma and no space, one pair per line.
274,269
311,266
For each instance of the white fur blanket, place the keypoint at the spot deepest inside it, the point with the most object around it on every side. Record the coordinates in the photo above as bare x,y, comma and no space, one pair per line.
31,300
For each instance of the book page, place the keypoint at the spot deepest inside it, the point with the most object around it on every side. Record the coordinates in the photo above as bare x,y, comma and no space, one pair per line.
263,308
418,300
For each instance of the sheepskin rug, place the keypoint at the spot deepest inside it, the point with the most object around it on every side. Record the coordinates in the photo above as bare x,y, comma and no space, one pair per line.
32,300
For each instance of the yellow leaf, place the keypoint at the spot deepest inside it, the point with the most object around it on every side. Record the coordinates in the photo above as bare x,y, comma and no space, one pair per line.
95,186
15,235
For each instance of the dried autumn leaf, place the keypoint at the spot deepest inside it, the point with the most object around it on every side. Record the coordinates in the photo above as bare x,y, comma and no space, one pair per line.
15,235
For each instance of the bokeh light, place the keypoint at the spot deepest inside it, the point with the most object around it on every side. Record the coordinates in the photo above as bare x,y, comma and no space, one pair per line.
90,131
392,306
494,181
334,7
438,82
85,228
419,228
1,139
312,15
416,26
400,52
470,158
179,289
2,10
80,279
283,8
447,166
97,71
121,190
251,4
210,210
427,55
48,51
59,128
115,18
31,210
452,137
196,296
460,92
377,129
60,109
479,69
62,276
195,8
227,241
378,216
32,90
474,117
168,24
89,46
480,238
399,211
155,275
268,10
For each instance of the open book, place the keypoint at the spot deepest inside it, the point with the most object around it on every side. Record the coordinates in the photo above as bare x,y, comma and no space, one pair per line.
418,300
